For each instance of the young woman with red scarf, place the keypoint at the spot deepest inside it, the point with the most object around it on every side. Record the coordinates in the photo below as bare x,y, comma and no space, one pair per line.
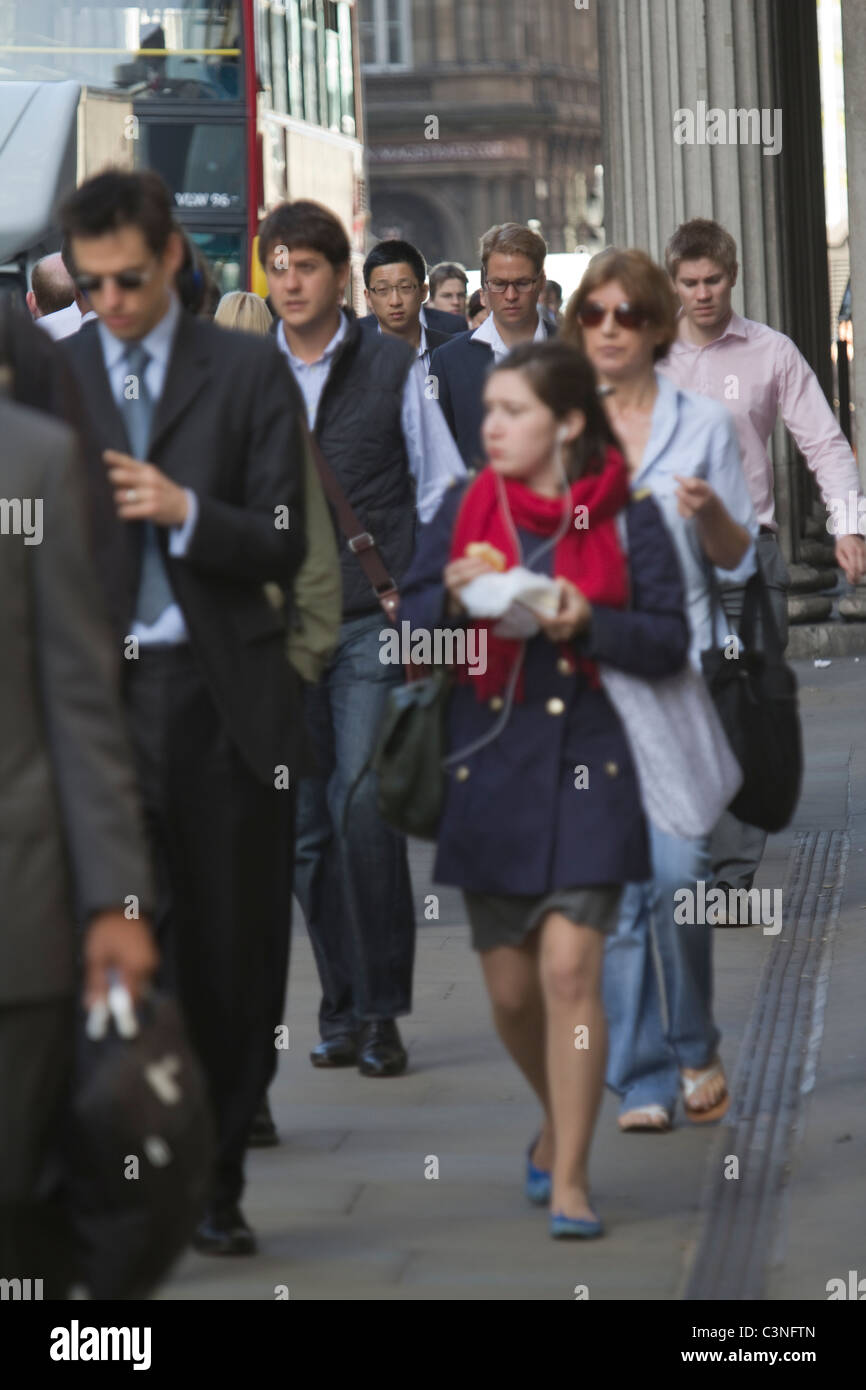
542,823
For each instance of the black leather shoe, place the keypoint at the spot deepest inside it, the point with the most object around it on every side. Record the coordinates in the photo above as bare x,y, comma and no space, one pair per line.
263,1134
224,1232
380,1049
340,1051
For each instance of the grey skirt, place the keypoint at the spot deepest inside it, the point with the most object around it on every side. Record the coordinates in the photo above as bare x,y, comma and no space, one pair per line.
497,920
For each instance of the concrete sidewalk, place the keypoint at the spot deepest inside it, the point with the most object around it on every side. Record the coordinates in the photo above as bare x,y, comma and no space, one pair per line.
344,1210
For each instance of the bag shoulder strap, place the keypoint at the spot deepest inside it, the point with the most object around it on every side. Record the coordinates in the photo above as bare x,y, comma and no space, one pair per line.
359,541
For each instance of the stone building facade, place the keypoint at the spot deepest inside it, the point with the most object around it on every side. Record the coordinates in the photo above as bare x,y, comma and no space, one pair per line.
481,111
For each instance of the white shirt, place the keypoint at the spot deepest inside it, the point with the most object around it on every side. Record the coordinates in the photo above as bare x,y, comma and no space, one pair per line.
434,461
422,352
169,628
64,322
487,332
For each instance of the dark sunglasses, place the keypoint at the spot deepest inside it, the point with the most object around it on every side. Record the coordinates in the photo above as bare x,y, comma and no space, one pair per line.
626,315
124,280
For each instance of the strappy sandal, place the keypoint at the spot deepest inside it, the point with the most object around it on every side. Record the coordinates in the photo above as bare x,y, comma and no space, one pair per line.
644,1120
690,1084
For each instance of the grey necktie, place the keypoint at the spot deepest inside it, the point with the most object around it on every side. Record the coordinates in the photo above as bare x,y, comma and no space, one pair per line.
154,590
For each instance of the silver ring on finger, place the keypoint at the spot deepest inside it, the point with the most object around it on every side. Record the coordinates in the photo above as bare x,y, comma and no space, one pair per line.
131,494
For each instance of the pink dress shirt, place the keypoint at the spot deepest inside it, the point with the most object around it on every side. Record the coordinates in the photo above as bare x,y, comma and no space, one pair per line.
758,373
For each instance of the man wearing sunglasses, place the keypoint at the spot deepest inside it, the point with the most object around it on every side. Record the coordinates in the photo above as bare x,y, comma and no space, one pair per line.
193,455
512,274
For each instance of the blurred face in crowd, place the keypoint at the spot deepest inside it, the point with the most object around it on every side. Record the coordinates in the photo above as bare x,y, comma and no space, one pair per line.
450,297
395,296
520,432
511,288
305,288
551,300
123,281
476,319
704,288
617,351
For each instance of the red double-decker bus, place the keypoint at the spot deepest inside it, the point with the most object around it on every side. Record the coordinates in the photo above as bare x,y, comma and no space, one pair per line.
236,103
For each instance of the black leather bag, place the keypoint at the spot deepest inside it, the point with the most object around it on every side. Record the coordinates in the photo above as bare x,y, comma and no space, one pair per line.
138,1152
755,694
408,758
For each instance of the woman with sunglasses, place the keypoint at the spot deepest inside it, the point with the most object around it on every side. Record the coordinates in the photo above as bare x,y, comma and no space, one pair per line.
683,448
542,822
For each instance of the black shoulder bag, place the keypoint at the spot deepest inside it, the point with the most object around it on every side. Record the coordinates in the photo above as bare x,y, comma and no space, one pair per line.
755,693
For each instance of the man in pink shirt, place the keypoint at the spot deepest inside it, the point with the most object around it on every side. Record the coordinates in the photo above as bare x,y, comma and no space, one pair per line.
758,374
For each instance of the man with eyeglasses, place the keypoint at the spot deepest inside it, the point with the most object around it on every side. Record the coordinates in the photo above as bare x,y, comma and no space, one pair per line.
395,278
512,275
193,452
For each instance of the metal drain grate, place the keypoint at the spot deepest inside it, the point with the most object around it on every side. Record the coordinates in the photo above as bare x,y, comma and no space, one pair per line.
736,1241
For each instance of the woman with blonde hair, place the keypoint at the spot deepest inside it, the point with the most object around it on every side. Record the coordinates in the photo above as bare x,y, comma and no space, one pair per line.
244,311
682,447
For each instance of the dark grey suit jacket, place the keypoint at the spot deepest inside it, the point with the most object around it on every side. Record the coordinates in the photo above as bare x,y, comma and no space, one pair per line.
229,426
71,838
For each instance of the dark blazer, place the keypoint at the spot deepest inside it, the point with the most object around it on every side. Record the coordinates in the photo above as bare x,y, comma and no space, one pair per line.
443,322
370,324
514,822
460,367
227,426
71,839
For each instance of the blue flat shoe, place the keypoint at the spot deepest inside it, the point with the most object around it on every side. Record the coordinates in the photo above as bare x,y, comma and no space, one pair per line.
537,1185
564,1227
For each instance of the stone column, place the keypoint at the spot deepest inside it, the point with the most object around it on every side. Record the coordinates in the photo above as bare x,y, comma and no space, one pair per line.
657,59
854,61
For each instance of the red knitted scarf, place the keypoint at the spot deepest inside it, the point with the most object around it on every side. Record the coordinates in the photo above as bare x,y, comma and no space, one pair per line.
588,553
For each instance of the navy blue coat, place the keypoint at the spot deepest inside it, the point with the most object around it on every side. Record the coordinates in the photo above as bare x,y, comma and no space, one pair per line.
514,821
460,367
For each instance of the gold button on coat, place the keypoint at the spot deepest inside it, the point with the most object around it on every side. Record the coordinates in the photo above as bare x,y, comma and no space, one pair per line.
496,702
461,774
564,666
555,706
611,769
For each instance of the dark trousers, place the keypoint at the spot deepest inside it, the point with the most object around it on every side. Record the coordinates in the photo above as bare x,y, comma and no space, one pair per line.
736,848
222,847
36,1046
353,882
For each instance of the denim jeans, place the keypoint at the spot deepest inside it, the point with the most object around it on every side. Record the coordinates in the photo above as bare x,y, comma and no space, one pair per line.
659,1019
353,885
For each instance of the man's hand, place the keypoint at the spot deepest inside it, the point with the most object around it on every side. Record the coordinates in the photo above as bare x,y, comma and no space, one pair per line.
143,493
851,557
124,946
573,616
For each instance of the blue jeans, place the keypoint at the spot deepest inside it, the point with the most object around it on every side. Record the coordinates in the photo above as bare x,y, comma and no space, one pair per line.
354,887
659,1022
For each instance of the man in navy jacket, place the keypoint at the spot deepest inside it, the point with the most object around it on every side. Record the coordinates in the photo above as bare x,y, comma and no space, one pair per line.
512,274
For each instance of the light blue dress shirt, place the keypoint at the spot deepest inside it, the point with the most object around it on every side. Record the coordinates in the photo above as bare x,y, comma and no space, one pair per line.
694,437
422,351
170,628
434,461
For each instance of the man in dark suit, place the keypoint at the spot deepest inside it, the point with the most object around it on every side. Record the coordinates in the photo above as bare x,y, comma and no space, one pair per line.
395,287
512,276
194,470
72,846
